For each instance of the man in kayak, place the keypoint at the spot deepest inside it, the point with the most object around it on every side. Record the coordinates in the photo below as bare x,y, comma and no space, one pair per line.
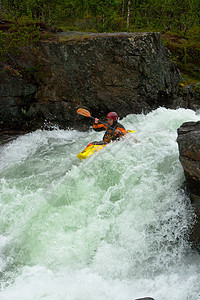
114,130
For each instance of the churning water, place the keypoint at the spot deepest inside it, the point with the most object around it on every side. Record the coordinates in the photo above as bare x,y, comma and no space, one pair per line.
112,227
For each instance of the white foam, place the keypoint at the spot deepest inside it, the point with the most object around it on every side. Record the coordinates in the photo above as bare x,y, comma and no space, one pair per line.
111,227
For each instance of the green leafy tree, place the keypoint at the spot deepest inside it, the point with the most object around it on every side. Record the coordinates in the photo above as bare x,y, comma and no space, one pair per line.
19,35
0,12
109,15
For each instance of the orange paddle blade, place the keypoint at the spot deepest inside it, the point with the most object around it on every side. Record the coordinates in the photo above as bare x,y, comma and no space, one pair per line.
83,112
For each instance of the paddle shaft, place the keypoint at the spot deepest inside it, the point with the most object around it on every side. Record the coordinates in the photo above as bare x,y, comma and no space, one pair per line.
102,123
105,124
86,113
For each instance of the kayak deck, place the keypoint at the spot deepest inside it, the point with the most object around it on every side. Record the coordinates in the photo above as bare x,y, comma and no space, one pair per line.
89,150
92,148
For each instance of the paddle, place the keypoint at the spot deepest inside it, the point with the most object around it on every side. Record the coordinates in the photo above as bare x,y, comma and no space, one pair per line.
86,113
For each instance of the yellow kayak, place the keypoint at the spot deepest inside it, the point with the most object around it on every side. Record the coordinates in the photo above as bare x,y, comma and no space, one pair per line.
92,148
89,150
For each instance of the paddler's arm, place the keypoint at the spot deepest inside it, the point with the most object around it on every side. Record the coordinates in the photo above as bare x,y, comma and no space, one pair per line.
98,126
124,132
119,132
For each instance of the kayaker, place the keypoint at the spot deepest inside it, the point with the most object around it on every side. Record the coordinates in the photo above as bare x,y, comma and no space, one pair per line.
114,130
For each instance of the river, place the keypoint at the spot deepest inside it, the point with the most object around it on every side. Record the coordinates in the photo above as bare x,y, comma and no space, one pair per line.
112,227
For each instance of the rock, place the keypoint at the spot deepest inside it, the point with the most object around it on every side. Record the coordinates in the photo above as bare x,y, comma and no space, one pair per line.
187,98
123,72
15,98
129,73
189,150
146,298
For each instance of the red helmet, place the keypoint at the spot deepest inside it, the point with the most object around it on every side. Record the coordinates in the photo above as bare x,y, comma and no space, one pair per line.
112,115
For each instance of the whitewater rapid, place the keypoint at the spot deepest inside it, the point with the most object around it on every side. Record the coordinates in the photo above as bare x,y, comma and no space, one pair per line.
112,227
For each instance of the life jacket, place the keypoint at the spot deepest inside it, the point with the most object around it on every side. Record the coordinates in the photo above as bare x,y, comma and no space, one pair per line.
110,134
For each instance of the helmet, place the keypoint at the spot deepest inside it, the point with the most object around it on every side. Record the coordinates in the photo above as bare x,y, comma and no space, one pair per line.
112,115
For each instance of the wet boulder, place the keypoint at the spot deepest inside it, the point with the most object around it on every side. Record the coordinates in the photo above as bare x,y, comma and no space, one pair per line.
146,298
189,150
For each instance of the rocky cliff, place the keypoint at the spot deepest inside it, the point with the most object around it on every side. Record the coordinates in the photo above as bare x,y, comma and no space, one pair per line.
189,149
124,72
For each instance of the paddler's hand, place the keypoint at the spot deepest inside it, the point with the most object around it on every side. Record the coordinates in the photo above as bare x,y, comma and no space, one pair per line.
96,120
117,131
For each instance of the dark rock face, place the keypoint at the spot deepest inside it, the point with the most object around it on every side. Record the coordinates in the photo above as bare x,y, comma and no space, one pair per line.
15,94
146,298
127,72
124,72
189,149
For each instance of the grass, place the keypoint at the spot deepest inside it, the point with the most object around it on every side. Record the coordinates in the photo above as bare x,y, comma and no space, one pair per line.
185,52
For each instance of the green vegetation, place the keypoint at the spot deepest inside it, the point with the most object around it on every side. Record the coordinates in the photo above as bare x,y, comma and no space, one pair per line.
178,20
14,40
108,15
185,52
20,34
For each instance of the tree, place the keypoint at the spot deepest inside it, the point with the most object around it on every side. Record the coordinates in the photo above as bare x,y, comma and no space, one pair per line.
108,15
0,12
128,13
123,7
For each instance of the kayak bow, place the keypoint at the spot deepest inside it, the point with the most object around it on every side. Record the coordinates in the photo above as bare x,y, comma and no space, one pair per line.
92,148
